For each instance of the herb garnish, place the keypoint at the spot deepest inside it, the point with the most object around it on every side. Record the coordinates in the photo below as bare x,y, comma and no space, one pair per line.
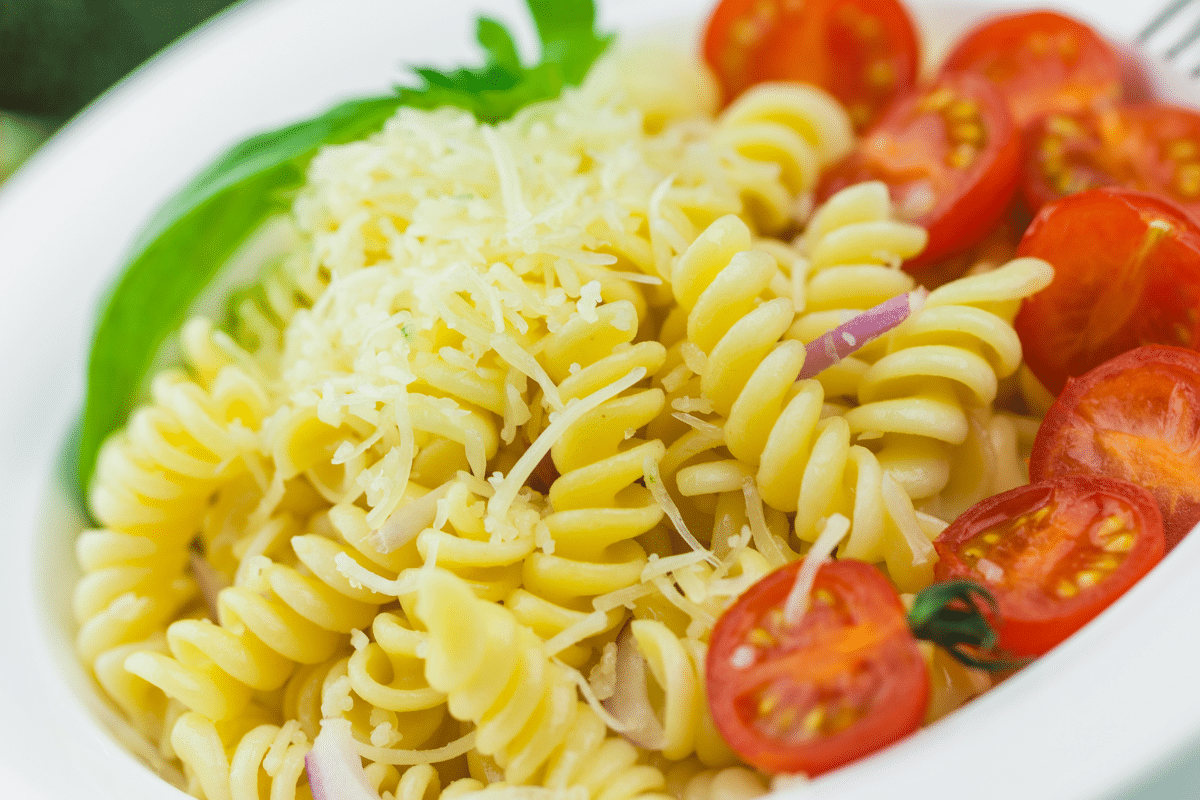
949,614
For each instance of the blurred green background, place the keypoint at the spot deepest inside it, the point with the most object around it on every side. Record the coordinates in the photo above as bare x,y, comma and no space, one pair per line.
56,56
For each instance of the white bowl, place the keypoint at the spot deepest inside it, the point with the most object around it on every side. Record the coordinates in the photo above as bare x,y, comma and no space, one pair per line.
1113,712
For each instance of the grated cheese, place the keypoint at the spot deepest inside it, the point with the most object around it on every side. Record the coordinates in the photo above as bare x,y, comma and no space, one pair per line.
663,566
835,529
590,625
506,492
655,484
621,597
359,577
764,541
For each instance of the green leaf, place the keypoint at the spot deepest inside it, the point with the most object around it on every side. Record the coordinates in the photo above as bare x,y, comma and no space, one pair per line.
950,614
567,29
197,230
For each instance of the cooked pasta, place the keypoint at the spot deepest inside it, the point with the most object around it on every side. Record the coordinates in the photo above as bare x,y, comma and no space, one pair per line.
517,398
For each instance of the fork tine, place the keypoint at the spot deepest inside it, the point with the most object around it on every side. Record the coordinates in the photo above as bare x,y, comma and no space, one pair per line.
1184,43
1162,19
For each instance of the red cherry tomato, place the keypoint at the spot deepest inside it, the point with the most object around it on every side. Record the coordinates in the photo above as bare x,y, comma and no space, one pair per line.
1151,146
863,52
951,158
1126,273
1042,62
844,682
1137,418
1054,554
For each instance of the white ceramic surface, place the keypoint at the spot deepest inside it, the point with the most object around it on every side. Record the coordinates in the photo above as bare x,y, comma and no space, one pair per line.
1114,712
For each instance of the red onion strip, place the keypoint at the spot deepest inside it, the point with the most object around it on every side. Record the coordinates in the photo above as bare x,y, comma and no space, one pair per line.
832,346
334,768
630,702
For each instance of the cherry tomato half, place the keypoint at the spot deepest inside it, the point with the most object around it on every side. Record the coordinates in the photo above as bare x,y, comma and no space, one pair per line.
863,52
1135,417
951,158
844,682
1126,273
1054,554
1151,146
1042,62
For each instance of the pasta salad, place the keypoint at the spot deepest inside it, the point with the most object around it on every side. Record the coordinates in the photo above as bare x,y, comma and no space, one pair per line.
608,430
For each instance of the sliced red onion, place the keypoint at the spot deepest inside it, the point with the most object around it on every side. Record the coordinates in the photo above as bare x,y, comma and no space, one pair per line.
335,770
403,525
831,347
630,702
210,581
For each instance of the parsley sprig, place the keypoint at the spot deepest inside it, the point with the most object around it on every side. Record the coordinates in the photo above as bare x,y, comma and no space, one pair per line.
951,614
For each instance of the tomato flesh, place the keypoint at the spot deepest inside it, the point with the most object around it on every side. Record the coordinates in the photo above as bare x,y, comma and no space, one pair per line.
844,682
1126,273
951,158
863,52
1150,146
1135,417
1042,62
1054,554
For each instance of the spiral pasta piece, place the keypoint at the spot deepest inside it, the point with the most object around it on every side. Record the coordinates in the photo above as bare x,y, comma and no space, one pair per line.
272,618
268,756
496,675
677,667
389,673
775,426
599,508
154,477
797,127
850,253
690,781
939,364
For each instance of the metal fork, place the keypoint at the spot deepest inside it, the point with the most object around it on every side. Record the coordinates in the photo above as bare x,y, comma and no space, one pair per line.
1178,20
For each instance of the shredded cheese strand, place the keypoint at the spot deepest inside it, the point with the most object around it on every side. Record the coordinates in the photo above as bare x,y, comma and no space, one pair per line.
506,492
836,528
408,758
654,483
764,541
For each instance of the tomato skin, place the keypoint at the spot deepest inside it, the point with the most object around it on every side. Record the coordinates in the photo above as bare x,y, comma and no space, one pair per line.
1151,147
1127,273
853,646
1042,62
1048,536
863,52
918,149
1135,417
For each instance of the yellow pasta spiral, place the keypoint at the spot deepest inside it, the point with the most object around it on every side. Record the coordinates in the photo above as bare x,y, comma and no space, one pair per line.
495,674
851,253
599,508
155,476
775,426
465,547
940,364
131,587
389,674
266,761
677,667
798,127
272,618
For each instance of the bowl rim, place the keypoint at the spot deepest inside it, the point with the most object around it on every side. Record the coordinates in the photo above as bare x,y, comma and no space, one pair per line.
47,689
